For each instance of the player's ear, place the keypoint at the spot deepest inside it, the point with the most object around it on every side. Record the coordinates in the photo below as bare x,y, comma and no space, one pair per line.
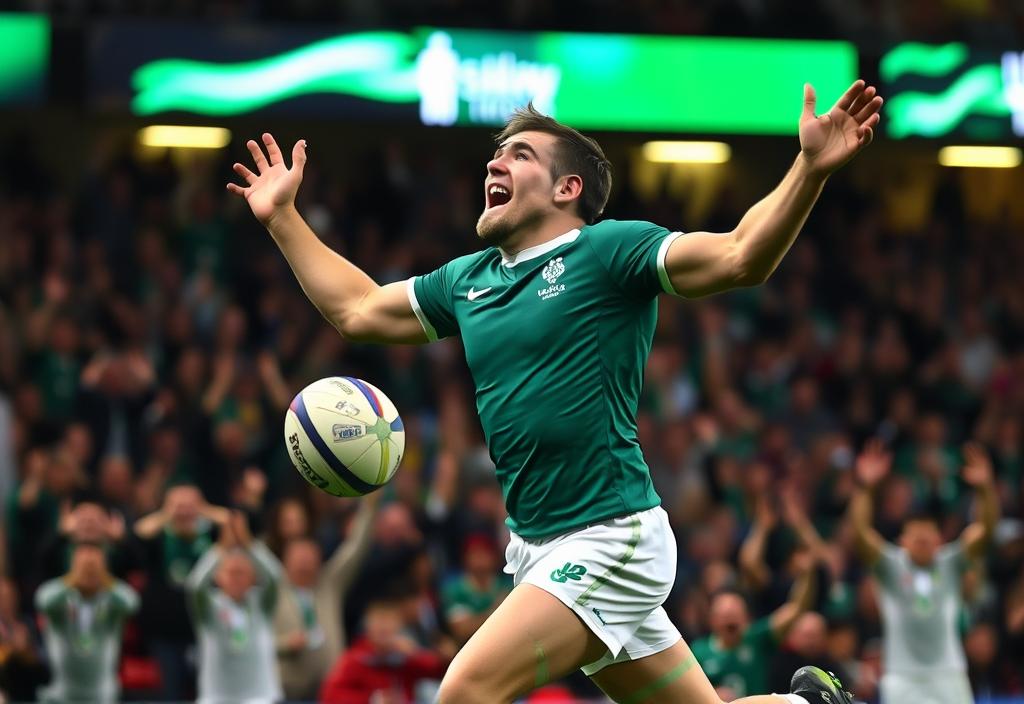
568,188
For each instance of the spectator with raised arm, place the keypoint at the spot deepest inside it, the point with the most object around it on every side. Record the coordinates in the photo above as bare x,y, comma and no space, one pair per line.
232,593
33,509
469,598
738,652
308,625
172,539
83,615
920,583
84,519
115,389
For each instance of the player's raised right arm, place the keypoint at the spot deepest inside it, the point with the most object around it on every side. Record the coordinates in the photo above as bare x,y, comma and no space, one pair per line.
343,293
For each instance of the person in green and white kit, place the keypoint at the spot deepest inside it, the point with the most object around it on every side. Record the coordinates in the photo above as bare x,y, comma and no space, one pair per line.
232,592
83,614
469,598
738,652
557,315
920,584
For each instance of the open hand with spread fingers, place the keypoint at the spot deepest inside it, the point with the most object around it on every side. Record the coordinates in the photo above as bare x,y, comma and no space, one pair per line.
273,187
833,138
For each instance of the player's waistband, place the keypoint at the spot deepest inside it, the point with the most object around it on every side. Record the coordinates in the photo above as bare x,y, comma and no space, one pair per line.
540,540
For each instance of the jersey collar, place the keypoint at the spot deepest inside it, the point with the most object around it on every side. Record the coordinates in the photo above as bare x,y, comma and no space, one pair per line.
510,260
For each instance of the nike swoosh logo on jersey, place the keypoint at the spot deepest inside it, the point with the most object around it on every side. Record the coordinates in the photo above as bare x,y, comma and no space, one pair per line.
473,295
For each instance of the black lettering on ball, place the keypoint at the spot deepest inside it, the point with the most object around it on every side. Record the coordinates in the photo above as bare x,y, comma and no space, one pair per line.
304,467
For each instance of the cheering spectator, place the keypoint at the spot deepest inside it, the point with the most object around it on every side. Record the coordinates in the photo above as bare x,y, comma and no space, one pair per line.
83,614
115,389
382,667
288,519
806,644
308,624
389,567
232,592
469,598
33,509
920,583
172,540
737,654
86,521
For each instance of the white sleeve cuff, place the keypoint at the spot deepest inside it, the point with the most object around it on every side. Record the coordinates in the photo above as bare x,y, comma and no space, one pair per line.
410,289
666,282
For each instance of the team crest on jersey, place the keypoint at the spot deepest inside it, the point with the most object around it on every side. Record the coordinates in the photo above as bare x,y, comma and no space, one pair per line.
551,272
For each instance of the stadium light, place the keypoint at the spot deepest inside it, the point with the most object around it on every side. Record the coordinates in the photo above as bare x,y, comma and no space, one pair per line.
185,137
980,157
687,152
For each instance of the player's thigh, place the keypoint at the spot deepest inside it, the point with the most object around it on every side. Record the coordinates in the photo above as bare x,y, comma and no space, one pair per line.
530,639
671,676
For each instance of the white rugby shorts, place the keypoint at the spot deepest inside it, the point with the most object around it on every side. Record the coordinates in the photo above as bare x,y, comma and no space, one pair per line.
615,575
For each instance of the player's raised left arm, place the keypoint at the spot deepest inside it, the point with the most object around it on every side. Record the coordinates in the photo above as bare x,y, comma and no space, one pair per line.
978,473
344,294
702,263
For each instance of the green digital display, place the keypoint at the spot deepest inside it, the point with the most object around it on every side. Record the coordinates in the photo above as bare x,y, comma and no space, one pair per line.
953,89
472,77
24,57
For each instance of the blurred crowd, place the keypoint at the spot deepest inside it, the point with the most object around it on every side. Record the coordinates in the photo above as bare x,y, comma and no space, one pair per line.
151,338
866,20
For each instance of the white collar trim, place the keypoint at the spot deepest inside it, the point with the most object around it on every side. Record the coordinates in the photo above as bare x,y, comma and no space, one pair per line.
538,250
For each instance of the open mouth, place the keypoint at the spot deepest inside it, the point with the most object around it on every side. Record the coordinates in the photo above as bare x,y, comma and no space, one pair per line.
498,195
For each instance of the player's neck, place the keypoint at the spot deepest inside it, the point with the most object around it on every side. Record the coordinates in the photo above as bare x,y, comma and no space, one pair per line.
543,232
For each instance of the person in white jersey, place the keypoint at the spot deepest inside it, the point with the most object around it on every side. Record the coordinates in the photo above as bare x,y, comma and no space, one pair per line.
232,593
83,615
919,584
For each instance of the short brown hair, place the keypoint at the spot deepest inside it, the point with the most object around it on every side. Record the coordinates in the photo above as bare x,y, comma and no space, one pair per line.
574,154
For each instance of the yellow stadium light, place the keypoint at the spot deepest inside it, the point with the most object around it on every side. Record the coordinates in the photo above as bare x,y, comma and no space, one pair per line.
980,157
184,137
687,152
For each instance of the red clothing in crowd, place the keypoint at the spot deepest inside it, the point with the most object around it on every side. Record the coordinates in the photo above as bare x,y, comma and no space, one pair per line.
361,671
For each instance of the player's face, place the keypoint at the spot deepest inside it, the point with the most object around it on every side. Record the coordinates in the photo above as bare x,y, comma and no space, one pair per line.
519,190
921,540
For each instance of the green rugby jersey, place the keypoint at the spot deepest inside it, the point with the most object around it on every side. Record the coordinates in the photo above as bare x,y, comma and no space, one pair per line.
556,338
744,669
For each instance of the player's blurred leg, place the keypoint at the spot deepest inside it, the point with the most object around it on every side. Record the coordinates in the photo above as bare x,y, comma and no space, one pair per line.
531,639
